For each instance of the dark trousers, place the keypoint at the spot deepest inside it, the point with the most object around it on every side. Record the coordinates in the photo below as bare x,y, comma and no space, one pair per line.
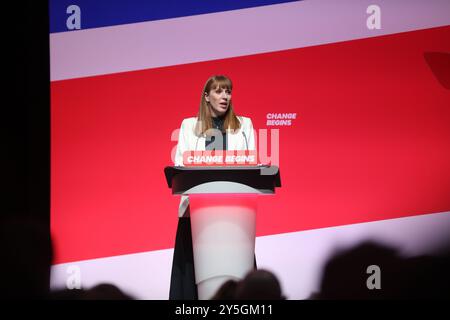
182,282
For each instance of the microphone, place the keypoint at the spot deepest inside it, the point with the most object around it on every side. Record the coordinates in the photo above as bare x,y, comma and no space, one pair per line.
245,138
196,143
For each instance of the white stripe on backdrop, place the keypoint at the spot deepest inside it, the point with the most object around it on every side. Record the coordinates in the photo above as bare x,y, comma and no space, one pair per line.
271,28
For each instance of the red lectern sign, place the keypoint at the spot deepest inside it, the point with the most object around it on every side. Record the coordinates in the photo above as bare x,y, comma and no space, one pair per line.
220,158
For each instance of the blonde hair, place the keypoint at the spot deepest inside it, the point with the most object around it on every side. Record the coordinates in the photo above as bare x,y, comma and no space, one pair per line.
204,117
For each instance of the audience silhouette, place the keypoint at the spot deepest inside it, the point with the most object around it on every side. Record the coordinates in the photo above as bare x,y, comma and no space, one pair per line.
227,291
346,275
259,285
256,285
27,254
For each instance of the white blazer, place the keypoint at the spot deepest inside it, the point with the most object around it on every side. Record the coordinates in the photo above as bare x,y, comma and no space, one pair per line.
243,139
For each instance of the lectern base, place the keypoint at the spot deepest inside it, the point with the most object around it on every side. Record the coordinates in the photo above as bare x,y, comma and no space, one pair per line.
223,238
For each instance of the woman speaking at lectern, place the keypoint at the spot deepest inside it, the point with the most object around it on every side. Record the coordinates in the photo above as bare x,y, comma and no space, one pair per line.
216,115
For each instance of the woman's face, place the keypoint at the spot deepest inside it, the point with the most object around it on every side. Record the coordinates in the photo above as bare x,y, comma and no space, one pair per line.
219,100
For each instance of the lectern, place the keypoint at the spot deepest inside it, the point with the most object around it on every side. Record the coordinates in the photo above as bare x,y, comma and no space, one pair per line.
223,207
